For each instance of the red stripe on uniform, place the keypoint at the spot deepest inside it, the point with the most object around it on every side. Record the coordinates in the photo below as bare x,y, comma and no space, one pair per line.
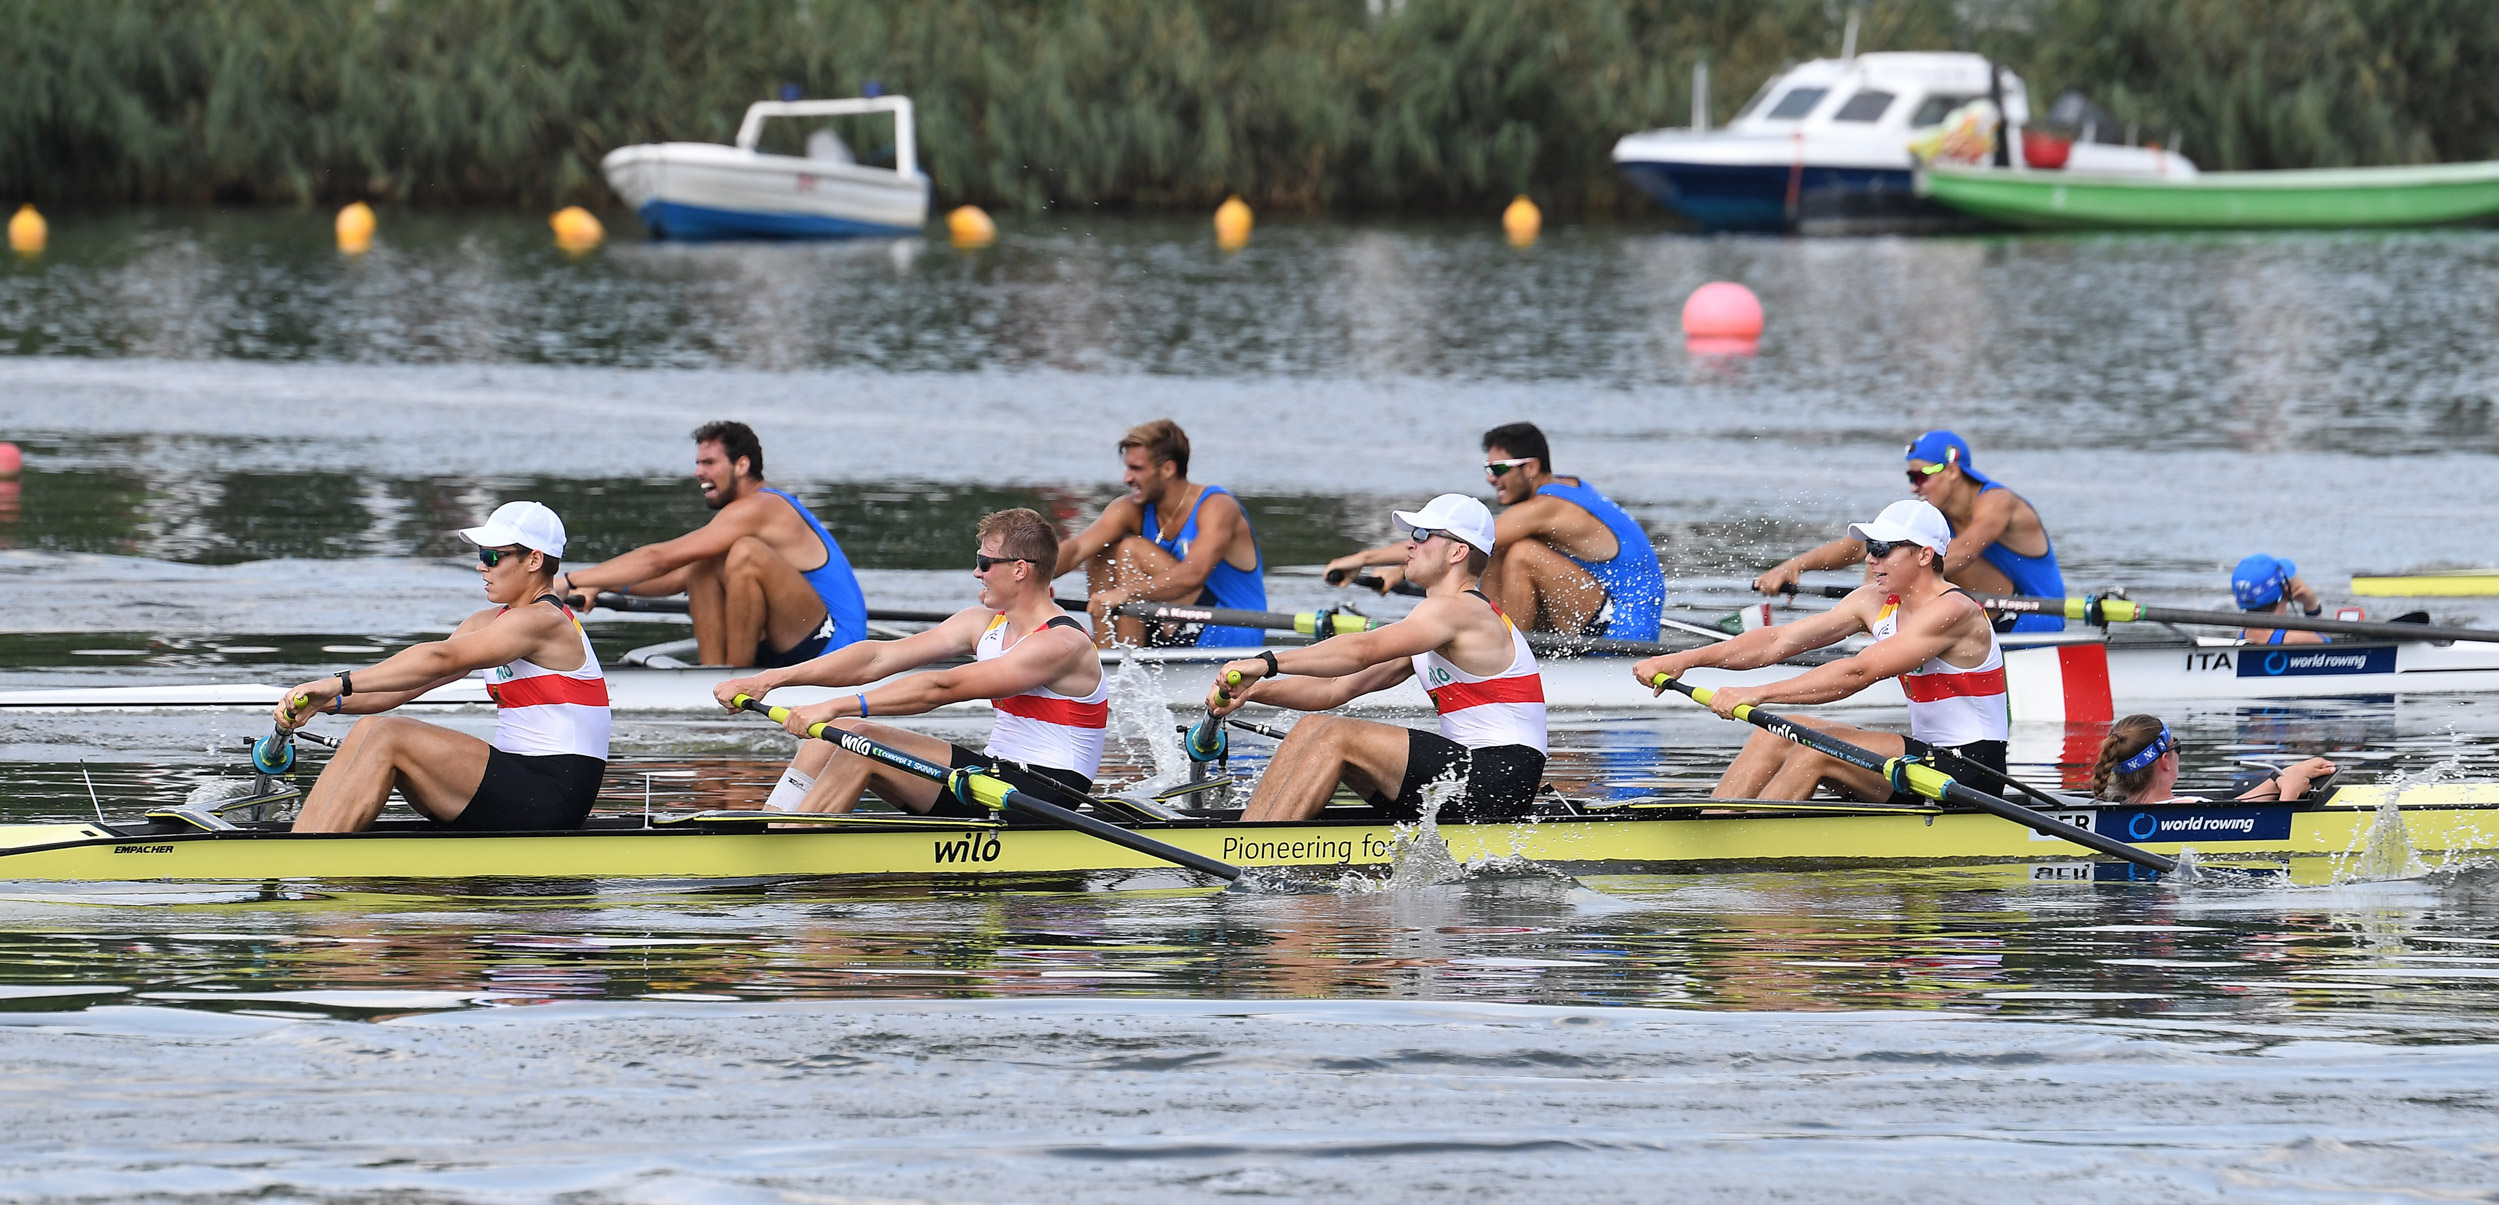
549,688
1066,713
1458,696
1930,688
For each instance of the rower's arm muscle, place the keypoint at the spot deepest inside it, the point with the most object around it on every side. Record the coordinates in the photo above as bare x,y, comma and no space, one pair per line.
1324,694
868,660
1926,635
1988,517
641,567
1037,660
1769,646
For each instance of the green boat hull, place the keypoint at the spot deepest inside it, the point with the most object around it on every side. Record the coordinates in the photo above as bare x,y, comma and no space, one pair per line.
2329,198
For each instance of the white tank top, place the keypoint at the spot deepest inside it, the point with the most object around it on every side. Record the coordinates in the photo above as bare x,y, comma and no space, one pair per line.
1507,708
1042,727
1950,706
542,711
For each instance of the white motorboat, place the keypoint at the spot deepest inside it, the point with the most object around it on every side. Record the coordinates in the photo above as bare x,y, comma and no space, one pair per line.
702,190
1824,146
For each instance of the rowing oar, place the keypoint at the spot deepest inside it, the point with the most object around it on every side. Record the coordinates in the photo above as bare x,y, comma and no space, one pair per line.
1341,623
1927,781
1922,749
675,604
2098,611
998,795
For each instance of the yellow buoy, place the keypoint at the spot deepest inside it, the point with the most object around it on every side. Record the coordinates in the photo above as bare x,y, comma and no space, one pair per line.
576,229
1232,223
969,226
355,228
27,231
1521,221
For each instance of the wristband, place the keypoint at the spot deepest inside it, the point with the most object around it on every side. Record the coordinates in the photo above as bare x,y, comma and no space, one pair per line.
863,705
1269,656
337,702
346,684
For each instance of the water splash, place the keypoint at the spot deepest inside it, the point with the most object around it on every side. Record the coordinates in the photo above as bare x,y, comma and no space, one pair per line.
1140,716
2386,851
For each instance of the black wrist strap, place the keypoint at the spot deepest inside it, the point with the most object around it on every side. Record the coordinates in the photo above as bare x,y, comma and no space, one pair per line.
1269,656
346,684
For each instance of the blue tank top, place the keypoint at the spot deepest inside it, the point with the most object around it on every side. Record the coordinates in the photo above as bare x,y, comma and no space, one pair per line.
833,582
1226,585
2036,576
1632,580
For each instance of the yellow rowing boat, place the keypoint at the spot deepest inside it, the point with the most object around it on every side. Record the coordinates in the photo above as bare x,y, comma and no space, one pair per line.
2438,583
2436,822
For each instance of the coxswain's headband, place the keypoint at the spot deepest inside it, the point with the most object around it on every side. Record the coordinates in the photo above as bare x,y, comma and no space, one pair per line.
2150,753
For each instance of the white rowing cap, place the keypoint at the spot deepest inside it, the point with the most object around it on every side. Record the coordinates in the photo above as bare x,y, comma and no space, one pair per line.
1908,521
528,524
1457,514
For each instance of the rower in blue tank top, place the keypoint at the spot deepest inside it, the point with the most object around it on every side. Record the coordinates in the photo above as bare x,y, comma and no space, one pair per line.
761,545
2264,585
1565,557
1168,540
1999,544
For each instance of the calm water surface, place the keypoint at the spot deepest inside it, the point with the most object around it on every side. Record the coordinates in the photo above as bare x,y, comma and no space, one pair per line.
243,448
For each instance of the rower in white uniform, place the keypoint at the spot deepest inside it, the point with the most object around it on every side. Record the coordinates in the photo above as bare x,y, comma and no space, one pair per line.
1474,662
1928,633
1037,667
543,768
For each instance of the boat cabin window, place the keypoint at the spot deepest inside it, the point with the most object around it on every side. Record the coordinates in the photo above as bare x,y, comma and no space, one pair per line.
1864,106
1936,109
1760,95
1796,104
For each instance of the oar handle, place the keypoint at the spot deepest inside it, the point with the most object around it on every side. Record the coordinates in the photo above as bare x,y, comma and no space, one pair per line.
778,715
1373,581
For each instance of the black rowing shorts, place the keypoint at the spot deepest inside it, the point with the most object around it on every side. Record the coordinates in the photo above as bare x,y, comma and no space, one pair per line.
767,657
1984,753
532,793
1049,783
1500,781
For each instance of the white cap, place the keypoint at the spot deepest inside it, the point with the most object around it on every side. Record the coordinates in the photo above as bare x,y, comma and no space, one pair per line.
528,524
1457,514
1908,521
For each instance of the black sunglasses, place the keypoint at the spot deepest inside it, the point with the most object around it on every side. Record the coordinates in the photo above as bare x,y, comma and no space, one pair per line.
981,562
491,557
1878,549
1422,534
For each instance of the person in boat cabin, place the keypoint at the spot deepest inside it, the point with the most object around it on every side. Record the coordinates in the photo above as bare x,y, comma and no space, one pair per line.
2138,764
549,753
1474,662
1929,633
1169,540
1040,672
1999,545
2264,585
1571,560
766,584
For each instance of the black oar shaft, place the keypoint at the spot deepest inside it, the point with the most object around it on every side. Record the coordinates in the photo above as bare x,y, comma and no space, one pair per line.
2095,611
675,604
1930,782
988,788
1307,623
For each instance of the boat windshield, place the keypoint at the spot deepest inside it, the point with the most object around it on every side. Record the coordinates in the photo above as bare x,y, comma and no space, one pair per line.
1796,104
1936,108
1760,94
1868,105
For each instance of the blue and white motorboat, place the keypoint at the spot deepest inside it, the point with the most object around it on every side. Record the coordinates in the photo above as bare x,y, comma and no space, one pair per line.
702,190
1824,146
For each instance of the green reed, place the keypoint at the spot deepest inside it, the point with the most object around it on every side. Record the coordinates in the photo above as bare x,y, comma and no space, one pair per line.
1023,104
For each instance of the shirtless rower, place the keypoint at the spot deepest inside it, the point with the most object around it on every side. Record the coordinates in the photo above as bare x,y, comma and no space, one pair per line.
764,581
1041,674
2264,585
1570,561
1999,545
1474,662
1927,632
1169,540
543,768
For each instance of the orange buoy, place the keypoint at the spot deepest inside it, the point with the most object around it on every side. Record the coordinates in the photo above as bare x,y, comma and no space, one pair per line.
1722,318
1521,221
576,229
11,460
969,226
1232,223
355,228
28,231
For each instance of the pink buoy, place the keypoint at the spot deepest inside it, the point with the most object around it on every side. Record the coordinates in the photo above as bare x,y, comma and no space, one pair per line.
1722,309
10,460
